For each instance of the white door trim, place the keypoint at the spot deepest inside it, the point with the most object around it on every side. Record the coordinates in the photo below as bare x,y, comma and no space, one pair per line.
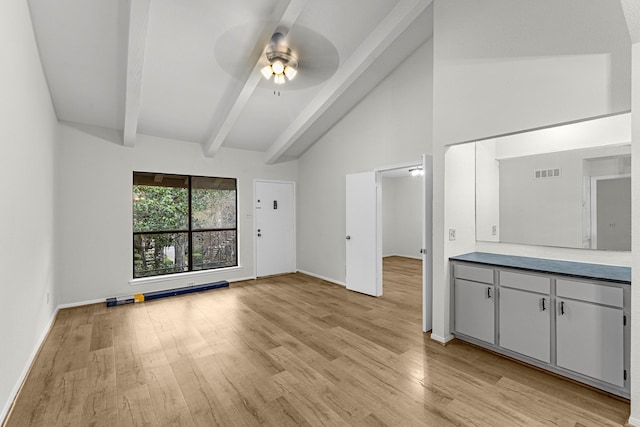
255,223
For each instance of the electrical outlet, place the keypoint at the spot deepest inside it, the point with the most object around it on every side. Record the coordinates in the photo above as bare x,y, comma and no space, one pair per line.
452,234
494,230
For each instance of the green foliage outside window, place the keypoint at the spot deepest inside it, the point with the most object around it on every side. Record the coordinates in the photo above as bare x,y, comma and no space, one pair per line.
164,236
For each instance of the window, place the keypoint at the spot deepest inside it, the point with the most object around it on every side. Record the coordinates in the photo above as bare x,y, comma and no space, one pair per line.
183,223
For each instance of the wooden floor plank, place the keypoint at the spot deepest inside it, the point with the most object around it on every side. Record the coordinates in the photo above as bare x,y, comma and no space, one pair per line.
289,350
100,398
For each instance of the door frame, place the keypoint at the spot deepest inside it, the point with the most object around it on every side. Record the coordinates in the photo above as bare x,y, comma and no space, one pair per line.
255,223
593,205
426,279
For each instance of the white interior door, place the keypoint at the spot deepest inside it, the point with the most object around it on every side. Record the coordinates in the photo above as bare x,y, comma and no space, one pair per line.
275,227
361,234
427,244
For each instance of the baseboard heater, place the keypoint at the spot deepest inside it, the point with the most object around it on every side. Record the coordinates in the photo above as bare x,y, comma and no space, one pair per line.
147,296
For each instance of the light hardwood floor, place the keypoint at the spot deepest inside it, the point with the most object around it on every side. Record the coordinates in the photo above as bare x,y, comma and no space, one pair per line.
288,350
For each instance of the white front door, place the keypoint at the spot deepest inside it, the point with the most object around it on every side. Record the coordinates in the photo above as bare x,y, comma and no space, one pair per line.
275,227
361,232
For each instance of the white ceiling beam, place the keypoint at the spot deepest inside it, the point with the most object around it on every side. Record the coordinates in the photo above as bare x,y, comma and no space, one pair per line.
138,19
631,10
284,15
402,15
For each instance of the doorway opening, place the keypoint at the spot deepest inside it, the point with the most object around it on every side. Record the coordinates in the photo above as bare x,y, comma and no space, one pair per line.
404,216
364,229
610,213
401,218
607,203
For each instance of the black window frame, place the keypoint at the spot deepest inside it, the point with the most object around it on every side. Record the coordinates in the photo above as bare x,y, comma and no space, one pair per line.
190,230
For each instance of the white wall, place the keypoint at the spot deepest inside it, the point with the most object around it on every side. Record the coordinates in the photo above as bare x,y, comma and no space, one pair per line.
460,175
402,216
28,133
95,209
391,125
499,61
488,186
502,66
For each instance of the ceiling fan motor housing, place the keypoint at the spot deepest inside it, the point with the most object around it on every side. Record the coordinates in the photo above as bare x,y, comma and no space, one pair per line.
278,50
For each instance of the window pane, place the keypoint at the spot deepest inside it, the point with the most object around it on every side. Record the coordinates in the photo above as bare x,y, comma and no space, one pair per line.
214,249
160,202
213,203
162,253
166,240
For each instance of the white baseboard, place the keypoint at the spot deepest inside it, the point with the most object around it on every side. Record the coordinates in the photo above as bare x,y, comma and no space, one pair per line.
634,421
80,303
326,279
441,340
242,279
27,367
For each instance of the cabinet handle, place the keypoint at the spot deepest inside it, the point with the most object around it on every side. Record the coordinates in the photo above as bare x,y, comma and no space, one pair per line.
488,292
562,308
544,306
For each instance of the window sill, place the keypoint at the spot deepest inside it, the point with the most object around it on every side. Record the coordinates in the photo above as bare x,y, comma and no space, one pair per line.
178,276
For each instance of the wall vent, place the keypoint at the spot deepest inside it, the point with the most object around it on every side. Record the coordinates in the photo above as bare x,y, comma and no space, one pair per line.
546,173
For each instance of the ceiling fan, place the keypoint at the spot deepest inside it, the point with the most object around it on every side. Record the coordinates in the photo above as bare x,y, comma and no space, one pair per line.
282,62
302,58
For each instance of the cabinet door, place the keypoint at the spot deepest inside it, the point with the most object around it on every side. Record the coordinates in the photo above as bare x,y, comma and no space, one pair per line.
590,340
474,310
525,323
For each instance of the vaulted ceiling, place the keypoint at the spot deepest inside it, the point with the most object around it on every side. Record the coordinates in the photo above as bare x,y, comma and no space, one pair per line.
190,69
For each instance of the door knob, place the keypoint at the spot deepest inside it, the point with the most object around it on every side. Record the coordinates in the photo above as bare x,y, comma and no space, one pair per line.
348,237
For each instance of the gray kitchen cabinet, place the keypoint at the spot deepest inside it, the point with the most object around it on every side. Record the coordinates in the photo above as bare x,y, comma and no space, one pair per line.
474,310
590,340
547,313
525,323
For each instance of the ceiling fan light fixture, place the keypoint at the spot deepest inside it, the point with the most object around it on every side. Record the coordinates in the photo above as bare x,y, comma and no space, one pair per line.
290,72
267,72
278,67
281,62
